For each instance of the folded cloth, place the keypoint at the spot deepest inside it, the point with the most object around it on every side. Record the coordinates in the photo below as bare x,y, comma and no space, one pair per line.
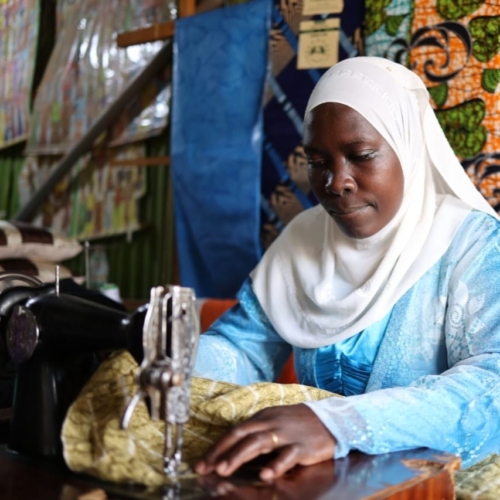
94,444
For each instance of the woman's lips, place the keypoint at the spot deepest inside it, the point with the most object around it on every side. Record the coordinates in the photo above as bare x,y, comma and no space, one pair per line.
346,211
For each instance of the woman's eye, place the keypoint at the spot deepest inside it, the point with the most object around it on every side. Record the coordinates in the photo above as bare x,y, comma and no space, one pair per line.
365,156
315,163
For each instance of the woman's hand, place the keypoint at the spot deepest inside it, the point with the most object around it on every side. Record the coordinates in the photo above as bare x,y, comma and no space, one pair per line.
294,432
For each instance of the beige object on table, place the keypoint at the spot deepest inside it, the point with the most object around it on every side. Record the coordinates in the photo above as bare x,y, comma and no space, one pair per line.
480,481
94,443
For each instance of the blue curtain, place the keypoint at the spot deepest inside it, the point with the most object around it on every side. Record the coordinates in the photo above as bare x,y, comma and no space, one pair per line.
220,63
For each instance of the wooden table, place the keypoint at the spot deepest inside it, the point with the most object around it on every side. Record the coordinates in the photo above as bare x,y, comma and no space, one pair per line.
411,475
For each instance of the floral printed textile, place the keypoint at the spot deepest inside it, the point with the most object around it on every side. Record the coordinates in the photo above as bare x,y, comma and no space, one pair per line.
453,46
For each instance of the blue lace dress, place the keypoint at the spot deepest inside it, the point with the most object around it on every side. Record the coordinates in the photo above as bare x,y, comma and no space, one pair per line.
428,374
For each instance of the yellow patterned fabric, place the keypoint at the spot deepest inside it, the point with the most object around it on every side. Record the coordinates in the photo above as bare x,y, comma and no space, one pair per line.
94,443
480,481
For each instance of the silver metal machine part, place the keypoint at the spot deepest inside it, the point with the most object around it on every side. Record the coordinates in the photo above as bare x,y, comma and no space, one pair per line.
170,339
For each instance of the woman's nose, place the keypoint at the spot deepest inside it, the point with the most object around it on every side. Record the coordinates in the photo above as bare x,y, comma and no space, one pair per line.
340,182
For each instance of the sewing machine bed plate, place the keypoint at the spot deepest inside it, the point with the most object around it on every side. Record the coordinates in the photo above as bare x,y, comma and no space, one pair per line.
409,475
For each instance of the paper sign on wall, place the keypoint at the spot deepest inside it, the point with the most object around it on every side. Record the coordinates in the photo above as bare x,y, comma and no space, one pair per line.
313,7
318,44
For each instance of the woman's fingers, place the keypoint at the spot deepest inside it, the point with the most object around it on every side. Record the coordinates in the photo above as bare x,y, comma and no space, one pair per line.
288,458
234,436
259,443
238,447
271,429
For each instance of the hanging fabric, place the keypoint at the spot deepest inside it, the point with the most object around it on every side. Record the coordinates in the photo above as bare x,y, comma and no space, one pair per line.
220,63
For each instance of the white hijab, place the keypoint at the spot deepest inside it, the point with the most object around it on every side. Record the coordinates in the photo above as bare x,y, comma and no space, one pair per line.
319,286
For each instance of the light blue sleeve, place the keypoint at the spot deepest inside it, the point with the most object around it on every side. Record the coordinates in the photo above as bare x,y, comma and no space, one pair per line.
458,410
242,346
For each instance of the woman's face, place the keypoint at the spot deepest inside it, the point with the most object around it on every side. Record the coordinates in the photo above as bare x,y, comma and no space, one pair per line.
354,173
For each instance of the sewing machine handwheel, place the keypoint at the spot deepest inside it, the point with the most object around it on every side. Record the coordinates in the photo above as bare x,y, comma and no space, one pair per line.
22,334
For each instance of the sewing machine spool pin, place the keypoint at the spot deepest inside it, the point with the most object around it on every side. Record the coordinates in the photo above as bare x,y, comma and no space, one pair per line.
170,338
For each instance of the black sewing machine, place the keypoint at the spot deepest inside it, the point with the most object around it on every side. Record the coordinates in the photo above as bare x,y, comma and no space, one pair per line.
54,336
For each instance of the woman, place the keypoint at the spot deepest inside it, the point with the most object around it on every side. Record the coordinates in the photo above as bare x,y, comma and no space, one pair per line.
386,291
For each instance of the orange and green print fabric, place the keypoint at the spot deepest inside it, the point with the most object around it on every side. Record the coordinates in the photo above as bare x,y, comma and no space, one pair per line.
454,46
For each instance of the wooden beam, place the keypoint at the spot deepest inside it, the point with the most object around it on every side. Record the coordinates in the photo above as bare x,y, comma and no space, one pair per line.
208,5
141,162
159,31
187,8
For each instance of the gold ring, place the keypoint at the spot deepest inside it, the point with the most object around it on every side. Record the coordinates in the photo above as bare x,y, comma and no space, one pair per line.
275,438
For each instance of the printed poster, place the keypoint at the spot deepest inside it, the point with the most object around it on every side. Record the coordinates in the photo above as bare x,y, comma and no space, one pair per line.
80,81
97,200
19,26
